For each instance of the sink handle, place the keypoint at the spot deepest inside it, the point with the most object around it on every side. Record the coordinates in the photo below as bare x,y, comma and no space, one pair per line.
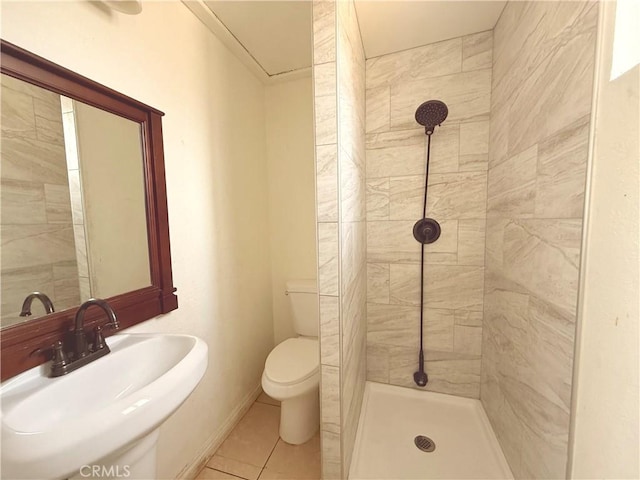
98,340
58,357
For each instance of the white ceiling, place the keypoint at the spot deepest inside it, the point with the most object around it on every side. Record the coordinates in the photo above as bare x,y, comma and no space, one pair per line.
278,34
391,26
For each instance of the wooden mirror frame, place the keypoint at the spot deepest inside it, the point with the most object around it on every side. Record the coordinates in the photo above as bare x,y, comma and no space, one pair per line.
19,343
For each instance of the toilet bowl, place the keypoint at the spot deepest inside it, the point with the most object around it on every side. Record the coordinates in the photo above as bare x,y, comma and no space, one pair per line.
292,376
292,369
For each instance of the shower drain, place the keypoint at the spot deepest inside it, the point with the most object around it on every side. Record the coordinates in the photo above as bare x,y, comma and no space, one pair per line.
424,443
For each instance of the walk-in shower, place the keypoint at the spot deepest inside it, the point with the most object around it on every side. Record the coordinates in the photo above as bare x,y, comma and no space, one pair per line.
404,445
426,230
454,438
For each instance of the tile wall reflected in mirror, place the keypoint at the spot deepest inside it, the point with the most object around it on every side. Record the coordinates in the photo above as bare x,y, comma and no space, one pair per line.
73,218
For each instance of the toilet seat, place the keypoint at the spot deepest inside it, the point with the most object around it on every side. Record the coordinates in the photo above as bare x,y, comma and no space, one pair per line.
293,361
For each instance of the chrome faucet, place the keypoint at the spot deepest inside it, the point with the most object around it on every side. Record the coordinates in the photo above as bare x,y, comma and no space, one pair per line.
80,339
26,305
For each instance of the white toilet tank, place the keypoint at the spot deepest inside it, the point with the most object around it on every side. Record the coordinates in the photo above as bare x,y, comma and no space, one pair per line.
303,296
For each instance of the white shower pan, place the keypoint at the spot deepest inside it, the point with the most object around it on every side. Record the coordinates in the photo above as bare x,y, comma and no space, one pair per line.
391,418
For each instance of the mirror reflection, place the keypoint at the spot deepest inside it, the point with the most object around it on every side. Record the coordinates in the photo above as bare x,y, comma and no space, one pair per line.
72,212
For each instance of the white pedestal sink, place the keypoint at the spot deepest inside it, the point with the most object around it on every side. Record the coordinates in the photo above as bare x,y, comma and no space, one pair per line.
102,420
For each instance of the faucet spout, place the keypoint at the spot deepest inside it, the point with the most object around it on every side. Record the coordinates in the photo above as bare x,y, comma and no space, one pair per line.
26,305
79,320
81,349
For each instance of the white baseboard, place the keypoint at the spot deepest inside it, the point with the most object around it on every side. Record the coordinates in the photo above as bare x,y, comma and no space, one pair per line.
192,470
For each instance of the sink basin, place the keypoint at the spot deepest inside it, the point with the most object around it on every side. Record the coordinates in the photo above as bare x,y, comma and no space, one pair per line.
51,427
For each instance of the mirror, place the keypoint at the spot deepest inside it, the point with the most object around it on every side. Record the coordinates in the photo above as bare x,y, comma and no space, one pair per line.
84,208
72,214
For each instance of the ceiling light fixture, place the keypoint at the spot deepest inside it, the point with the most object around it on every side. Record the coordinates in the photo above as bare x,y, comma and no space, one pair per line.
130,7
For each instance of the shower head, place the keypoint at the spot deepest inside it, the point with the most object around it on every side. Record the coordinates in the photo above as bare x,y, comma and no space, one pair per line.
430,114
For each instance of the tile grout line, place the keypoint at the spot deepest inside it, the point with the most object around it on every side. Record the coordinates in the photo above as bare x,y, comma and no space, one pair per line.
391,81
269,457
243,461
270,453
227,473
236,460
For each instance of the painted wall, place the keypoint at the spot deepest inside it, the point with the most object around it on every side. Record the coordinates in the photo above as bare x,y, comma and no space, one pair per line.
112,184
291,172
543,63
339,89
214,141
606,404
457,72
38,248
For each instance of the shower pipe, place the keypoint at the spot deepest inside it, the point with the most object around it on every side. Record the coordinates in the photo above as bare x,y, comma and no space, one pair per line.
426,230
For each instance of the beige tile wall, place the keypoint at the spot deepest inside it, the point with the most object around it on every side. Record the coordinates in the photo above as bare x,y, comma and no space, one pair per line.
38,251
458,72
339,81
353,244
327,212
540,105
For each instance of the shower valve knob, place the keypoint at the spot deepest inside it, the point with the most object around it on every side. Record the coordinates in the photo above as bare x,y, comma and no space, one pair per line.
426,230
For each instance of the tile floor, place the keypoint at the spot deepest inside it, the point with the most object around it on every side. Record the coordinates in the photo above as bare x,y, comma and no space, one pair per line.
254,451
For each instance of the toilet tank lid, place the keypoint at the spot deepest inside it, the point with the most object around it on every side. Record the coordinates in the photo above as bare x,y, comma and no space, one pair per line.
302,286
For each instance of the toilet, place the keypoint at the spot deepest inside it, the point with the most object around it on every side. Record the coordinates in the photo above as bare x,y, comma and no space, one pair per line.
292,370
